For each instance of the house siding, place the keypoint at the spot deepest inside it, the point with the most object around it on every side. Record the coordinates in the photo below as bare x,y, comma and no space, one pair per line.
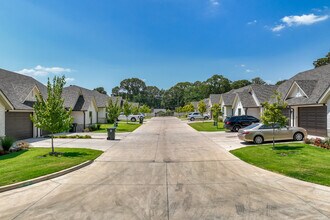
102,116
2,120
78,118
254,112
90,121
237,107
328,117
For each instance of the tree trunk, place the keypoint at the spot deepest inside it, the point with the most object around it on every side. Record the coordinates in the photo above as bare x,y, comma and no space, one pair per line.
52,137
273,138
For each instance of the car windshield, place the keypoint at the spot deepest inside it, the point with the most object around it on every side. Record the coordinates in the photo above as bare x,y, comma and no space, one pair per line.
252,126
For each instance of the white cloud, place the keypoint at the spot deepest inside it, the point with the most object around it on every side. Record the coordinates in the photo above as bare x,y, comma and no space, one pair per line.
242,65
214,2
297,20
252,22
278,28
44,71
248,70
69,79
303,19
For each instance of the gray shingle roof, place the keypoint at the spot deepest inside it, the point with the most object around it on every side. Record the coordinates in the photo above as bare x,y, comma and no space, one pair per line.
215,98
78,98
307,85
228,97
264,92
322,77
246,99
16,87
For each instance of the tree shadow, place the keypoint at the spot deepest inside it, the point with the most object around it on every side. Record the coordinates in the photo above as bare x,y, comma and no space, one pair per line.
12,155
74,154
288,148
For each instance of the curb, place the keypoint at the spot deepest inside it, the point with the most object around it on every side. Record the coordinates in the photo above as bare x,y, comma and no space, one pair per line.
46,177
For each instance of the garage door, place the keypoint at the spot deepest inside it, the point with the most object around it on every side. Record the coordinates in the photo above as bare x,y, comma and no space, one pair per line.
18,125
314,120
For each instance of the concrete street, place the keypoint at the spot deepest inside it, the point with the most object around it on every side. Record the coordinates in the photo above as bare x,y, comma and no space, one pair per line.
167,170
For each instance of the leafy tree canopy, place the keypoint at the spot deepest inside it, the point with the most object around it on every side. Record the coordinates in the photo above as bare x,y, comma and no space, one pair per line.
49,113
101,90
322,61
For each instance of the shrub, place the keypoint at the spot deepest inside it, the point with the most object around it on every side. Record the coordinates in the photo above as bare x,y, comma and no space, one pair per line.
308,141
87,130
7,142
98,126
318,142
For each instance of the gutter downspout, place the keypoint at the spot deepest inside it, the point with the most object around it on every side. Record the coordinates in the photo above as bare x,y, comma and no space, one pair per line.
84,119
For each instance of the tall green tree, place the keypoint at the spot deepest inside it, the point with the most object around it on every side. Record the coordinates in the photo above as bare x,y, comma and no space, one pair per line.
273,114
113,110
322,61
202,108
101,90
280,82
240,83
216,112
258,81
127,109
218,84
49,113
132,89
145,109
188,108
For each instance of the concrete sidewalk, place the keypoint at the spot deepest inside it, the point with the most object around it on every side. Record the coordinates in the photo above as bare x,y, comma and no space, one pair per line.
167,170
98,141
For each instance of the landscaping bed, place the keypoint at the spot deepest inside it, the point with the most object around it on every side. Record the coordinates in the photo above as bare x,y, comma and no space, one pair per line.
122,127
207,126
300,161
35,162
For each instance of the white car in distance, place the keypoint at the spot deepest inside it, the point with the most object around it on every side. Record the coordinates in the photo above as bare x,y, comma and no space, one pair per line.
196,115
132,118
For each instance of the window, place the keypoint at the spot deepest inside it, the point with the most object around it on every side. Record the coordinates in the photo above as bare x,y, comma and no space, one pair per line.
239,111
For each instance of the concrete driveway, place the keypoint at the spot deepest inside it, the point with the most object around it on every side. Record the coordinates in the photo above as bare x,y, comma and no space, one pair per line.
167,170
98,142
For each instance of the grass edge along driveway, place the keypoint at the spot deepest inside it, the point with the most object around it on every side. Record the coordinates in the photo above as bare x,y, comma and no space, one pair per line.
207,126
122,127
35,162
300,161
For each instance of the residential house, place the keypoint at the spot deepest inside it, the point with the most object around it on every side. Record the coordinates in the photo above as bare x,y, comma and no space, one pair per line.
17,96
83,104
308,97
213,99
249,101
226,101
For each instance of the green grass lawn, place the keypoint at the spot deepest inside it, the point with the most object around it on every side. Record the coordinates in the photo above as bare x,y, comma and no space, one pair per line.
122,127
301,161
35,162
207,126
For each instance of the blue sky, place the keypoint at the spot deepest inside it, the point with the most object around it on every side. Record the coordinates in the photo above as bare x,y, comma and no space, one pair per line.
99,43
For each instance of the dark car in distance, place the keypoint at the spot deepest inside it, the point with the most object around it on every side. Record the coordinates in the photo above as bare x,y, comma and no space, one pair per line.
235,123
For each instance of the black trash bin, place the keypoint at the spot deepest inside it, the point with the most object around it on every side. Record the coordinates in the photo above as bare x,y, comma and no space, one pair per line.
73,127
141,120
111,133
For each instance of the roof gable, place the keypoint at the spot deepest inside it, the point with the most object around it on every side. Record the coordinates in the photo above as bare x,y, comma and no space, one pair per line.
16,87
314,90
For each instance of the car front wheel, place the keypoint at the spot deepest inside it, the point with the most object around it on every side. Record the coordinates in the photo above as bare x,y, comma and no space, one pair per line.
258,139
133,119
192,119
236,128
298,136
206,118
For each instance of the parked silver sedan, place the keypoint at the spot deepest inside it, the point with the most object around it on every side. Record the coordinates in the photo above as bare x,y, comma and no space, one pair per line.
258,133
